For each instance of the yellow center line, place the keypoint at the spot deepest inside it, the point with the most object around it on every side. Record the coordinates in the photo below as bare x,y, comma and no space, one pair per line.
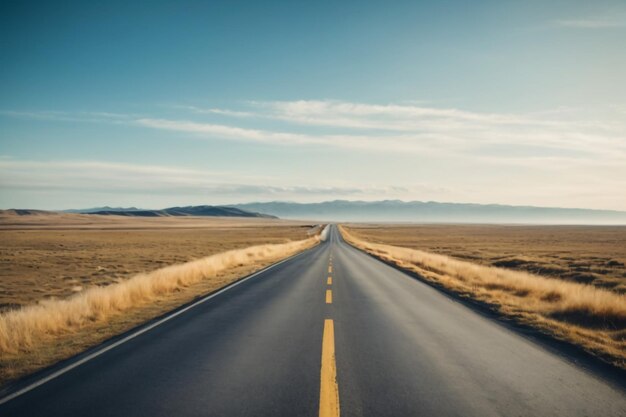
329,281
329,390
330,269
329,297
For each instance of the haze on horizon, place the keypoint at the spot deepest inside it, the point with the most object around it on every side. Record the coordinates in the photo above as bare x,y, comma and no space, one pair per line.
157,104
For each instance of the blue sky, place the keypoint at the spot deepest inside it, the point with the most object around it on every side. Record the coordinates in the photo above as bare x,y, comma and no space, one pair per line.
157,104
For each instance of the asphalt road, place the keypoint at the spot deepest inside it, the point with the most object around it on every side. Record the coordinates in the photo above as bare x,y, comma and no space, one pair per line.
272,345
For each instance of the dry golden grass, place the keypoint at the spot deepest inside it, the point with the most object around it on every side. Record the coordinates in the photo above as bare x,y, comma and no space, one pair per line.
25,328
591,317
39,264
593,255
43,332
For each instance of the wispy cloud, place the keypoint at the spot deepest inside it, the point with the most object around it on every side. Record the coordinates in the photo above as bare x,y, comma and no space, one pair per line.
63,184
64,116
364,115
103,176
403,128
391,128
589,23
218,111
403,117
224,131
388,143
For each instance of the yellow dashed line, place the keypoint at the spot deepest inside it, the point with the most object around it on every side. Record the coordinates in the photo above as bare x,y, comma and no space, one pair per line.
329,297
329,390
329,281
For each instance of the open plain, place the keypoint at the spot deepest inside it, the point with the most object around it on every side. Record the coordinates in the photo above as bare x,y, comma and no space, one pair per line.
46,259
44,256
593,255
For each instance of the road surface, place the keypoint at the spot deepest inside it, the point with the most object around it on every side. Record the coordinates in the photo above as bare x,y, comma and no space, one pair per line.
330,330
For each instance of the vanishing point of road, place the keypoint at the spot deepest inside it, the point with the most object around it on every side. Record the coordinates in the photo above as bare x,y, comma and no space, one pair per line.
330,331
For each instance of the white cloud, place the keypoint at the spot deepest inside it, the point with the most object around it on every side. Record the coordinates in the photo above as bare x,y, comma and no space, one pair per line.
110,177
396,143
418,129
589,23
223,112
393,128
569,147
63,116
63,184
223,131
390,128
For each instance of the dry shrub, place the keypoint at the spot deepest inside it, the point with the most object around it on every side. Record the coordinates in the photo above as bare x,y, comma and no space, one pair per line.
583,314
24,329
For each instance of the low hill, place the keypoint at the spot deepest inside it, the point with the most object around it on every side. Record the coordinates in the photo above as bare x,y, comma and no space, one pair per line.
24,212
99,209
213,211
200,211
134,213
434,212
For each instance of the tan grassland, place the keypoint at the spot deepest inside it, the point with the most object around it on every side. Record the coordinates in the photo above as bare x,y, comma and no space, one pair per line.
66,287
588,316
39,263
593,255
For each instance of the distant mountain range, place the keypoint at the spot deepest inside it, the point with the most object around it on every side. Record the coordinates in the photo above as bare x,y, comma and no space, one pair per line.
105,208
25,212
417,211
213,211
375,211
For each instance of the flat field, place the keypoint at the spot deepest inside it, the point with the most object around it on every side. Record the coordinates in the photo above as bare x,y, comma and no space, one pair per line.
58,255
593,255
44,258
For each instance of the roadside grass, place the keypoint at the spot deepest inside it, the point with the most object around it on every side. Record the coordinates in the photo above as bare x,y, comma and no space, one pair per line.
41,263
594,255
38,335
590,317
